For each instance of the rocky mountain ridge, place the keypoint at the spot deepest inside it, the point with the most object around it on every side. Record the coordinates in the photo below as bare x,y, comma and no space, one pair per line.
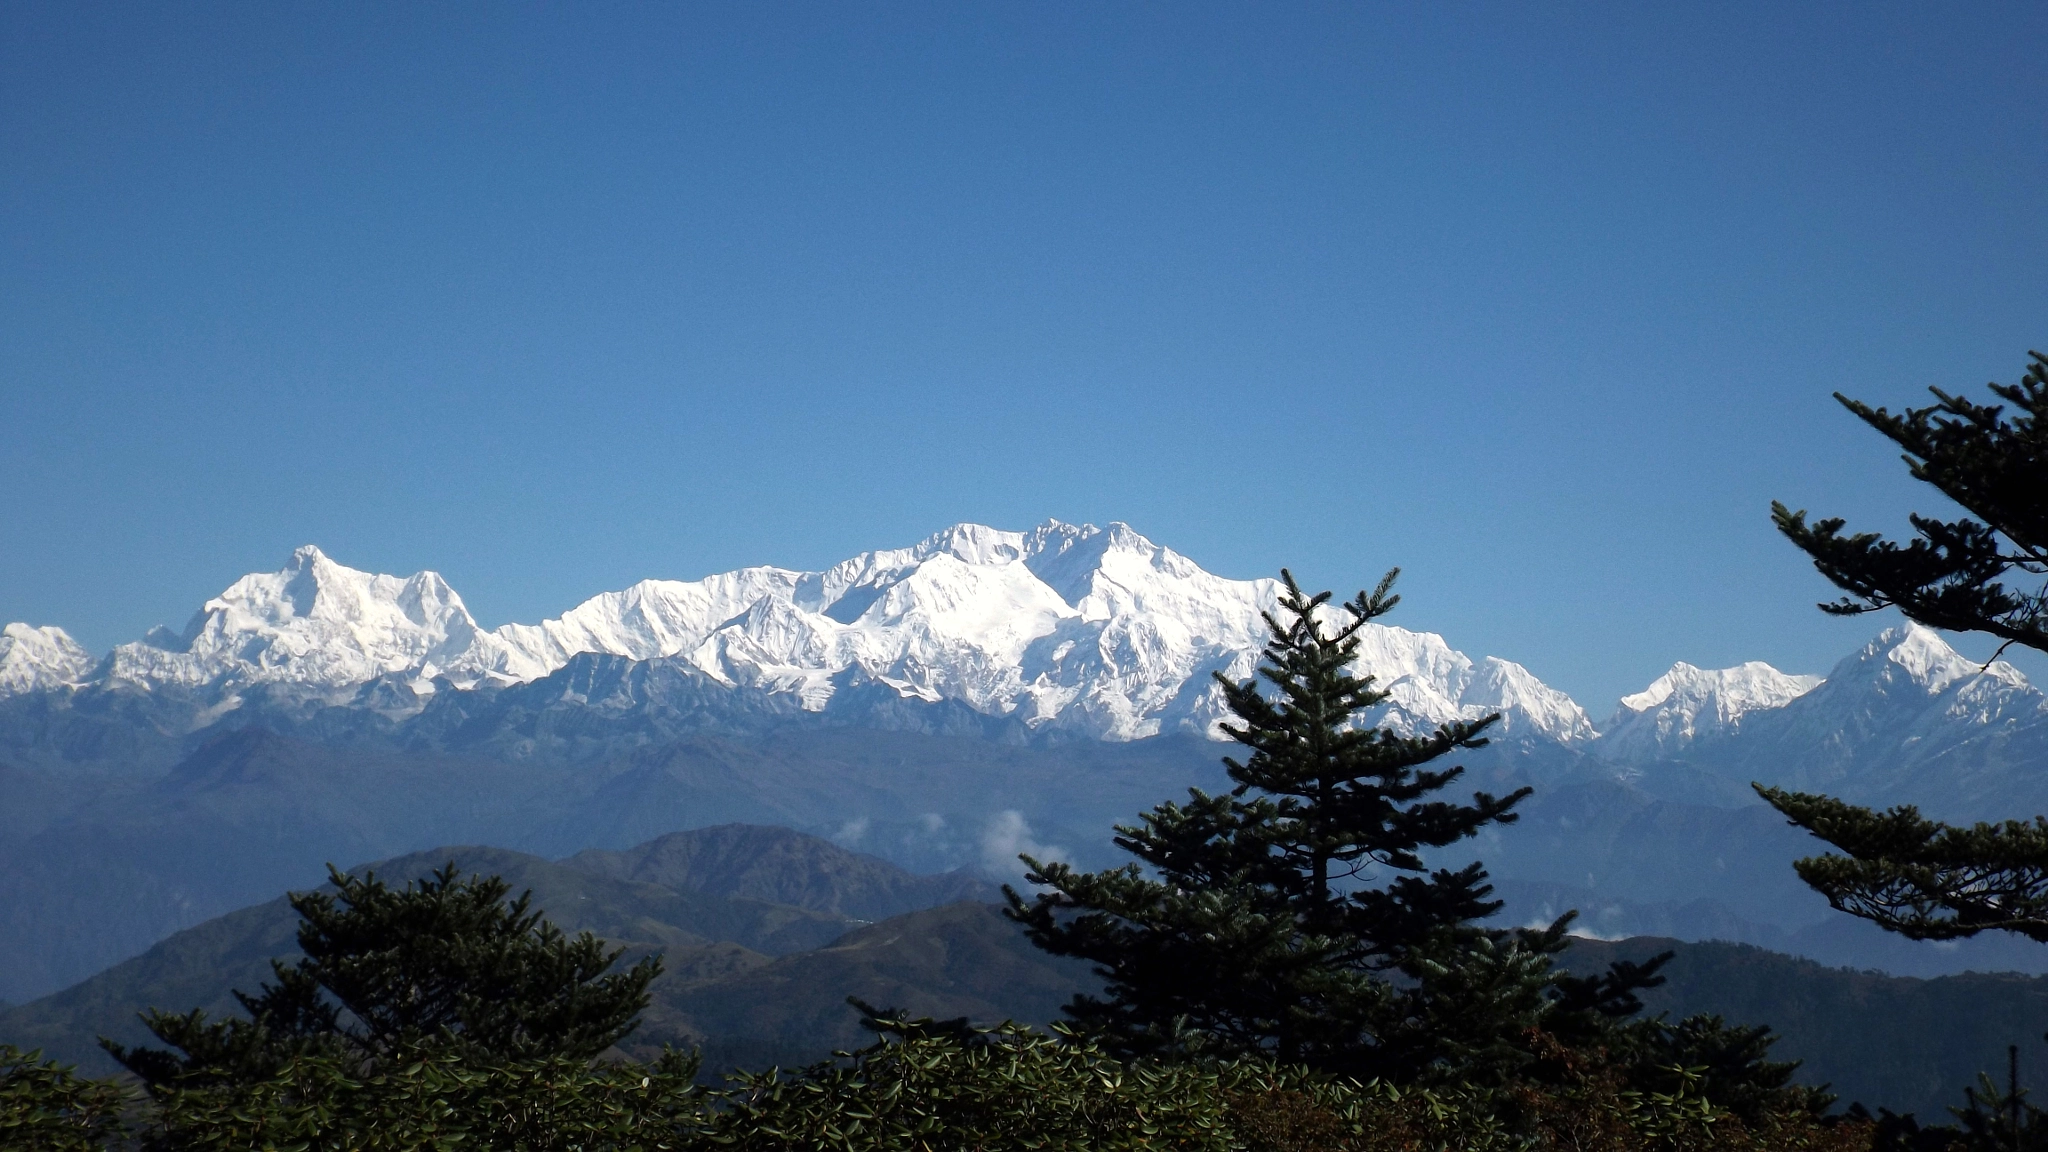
1098,632
944,706
1063,632
753,981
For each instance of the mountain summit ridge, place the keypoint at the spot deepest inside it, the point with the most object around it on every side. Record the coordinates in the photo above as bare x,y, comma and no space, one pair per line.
1095,631
36,659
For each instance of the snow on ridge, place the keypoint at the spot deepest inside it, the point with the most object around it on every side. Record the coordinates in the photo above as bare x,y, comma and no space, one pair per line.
1913,670
1688,703
39,659
315,623
1907,675
651,619
1927,659
1096,630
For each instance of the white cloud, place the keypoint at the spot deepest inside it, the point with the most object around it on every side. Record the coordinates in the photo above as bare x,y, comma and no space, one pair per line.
1007,835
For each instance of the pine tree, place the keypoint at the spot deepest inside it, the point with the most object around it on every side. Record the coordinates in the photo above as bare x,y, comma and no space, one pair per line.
1295,916
1911,875
445,962
1953,576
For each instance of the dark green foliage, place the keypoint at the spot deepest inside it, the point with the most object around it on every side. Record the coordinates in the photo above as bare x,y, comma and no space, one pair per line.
1731,1064
929,1085
45,1106
1994,1120
1920,878
1928,880
437,1099
1953,575
1923,879
924,1085
1274,918
444,961
933,1085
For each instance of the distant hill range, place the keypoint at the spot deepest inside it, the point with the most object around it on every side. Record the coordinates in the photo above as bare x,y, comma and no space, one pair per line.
756,981
940,706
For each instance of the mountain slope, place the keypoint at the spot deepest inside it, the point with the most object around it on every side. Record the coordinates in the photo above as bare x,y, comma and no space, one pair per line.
1689,704
1905,1043
1906,719
700,936
1098,633
765,862
963,959
1894,1041
113,862
38,659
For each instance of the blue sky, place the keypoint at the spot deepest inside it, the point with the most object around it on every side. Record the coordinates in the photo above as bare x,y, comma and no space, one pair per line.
1544,306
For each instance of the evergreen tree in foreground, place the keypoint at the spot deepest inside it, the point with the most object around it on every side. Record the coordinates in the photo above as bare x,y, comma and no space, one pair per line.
445,962
1911,875
1294,916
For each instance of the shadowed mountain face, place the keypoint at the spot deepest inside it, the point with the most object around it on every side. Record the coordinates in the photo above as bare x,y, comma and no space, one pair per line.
246,815
134,808
1904,1043
100,866
700,936
964,959
763,862
96,867
755,982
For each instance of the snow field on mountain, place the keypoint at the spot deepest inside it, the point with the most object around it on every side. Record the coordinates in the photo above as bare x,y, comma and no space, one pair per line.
38,659
1096,630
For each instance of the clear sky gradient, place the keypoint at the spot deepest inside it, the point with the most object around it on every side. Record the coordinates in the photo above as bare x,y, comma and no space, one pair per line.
1544,306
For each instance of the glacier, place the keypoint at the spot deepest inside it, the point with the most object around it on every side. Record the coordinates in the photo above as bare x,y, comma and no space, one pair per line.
316,708
39,659
1093,631
1065,628
1687,704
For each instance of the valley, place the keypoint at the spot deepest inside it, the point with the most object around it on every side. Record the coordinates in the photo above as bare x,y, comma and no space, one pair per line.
887,736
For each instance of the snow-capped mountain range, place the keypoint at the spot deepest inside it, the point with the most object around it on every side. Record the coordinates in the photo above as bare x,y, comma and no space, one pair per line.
319,714
1688,704
1085,630
34,659
1095,630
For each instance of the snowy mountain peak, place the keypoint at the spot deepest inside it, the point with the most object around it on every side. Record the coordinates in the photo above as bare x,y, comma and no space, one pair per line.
39,659
649,620
1730,691
1925,659
1687,704
1055,537
1911,671
1094,631
972,544
315,624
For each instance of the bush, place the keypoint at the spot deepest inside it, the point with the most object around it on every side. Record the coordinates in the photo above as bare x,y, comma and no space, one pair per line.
948,1086
45,1105
439,1101
925,1086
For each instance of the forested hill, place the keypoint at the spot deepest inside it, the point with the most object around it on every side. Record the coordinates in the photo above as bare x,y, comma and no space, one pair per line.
765,934
1908,1044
